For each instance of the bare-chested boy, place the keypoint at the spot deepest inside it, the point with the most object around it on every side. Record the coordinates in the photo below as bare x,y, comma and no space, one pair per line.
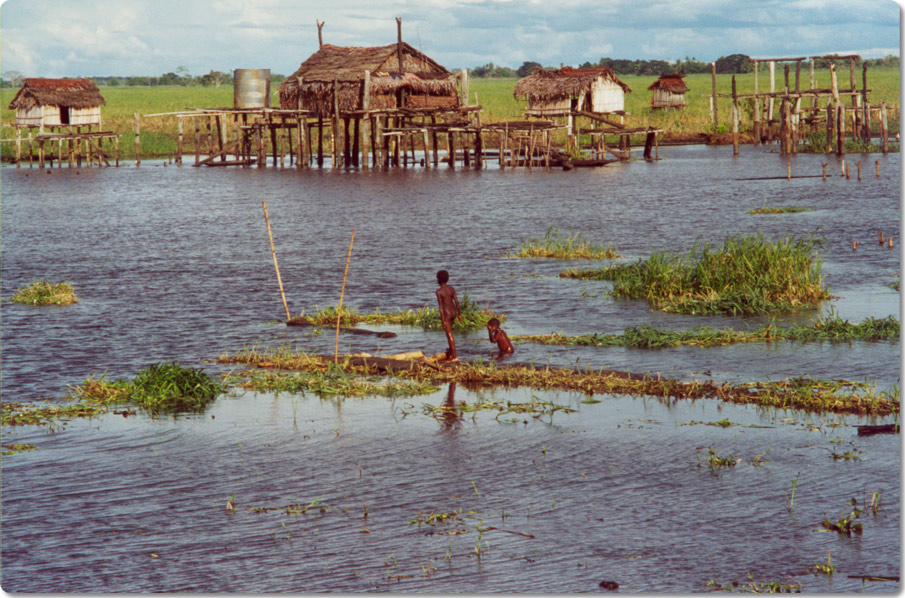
499,336
449,311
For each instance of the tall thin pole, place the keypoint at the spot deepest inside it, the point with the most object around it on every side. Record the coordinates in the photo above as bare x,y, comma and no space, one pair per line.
339,312
276,266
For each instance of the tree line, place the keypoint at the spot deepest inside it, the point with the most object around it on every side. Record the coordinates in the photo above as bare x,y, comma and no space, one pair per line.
732,64
179,77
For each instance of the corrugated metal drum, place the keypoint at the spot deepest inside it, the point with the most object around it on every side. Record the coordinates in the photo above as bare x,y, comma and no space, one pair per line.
251,88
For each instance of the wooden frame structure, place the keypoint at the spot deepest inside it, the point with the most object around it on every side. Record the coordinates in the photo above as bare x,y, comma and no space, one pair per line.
793,115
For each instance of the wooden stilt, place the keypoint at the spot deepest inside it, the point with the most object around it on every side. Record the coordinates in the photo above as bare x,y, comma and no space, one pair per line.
735,118
320,142
451,149
137,140
427,159
356,131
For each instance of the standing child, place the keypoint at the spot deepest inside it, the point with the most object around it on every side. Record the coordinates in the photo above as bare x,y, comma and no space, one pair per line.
449,311
498,336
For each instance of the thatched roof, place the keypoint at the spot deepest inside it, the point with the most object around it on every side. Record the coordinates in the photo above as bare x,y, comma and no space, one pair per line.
567,82
346,65
75,93
672,83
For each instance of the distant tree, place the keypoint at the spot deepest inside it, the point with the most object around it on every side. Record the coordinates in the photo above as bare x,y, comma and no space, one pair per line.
213,79
734,63
13,77
526,69
169,79
113,82
587,65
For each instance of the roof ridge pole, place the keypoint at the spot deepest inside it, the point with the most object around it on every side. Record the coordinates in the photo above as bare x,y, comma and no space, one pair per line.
320,37
399,42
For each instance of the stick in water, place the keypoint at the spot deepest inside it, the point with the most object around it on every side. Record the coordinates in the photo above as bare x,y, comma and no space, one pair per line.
339,314
275,265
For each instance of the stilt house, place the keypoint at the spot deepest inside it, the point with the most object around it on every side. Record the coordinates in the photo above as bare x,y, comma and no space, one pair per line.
52,103
668,92
552,92
336,76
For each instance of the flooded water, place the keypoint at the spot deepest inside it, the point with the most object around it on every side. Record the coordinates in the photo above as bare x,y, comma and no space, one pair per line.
174,264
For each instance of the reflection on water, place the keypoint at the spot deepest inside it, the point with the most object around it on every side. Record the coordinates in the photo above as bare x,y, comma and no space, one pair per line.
174,264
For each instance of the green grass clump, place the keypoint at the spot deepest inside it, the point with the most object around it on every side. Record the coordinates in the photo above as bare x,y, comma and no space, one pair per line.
555,244
30,414
17,447
42,292
474,317
784,210
829,329
747,276
159,388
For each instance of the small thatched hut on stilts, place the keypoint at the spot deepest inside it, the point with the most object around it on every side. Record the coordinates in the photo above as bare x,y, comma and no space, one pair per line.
591,93
386,86
69,108
668,92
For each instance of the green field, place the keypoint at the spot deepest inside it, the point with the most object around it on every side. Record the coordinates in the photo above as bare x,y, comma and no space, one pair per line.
158,134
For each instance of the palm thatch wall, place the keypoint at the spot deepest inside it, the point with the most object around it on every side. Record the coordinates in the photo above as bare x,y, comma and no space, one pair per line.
422,81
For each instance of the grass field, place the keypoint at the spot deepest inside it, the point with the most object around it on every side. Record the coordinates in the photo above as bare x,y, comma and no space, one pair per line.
158,134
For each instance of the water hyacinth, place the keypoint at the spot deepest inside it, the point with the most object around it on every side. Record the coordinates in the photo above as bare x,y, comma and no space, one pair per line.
747,276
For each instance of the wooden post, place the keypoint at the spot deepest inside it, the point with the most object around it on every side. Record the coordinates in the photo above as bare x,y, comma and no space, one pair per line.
772,67
320,37
137,140
427,159
479,150
342,293
180,140
501,143
865,102
463,86
276,266
451,149
18,147
884,131
756,125
41,154
116,150
197,141
335,121
786,71
373,124
716,116
797,76
320,142
356,135
840,130
784,133
830,118
434,144
347,151
735,118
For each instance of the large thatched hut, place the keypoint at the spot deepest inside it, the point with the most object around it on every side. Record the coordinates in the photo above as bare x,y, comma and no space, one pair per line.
668,92
560,91
57,102
419,83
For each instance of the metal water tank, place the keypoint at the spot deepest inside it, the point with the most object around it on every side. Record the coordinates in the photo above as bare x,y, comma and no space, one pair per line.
251,88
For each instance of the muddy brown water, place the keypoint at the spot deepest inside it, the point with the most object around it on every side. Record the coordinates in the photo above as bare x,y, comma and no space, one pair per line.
174,264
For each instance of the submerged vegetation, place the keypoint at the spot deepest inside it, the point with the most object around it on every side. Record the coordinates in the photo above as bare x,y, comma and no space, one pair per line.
32,414
748,275
555,244
828,329
159,388
783,210
42,292
796,393
474,316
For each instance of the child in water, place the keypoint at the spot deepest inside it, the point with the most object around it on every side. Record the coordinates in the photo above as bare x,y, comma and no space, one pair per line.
449,311
498,336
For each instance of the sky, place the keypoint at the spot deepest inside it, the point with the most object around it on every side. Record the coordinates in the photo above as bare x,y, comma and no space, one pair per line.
83,38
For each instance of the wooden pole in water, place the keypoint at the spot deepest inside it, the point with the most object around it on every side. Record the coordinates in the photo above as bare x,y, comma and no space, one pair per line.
735,118
137,140
884,131
716,115
859,171
276,266
339,312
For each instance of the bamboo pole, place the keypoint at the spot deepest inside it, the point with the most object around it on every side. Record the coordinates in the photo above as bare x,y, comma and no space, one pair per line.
342,293
276,266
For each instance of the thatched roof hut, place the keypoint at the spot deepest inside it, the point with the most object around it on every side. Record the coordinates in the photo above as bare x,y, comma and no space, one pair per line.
561,90
668,91
57,102
420,83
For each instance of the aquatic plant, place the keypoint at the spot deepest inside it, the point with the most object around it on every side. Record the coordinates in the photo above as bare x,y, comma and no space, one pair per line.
42,292
162,387
827,568
17,447
846,524
714,461
558,245
747,276
792,493
809,394
31,414
784,210
474,316
825,329
852,454
759,587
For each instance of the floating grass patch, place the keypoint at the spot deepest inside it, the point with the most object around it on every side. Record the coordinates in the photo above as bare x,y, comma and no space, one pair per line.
474,317
17,447
715,461
331,382
827,568
42,292
798,393
29,414
747,276
161,387
825,329
783,210
535,408
754,586
558,245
